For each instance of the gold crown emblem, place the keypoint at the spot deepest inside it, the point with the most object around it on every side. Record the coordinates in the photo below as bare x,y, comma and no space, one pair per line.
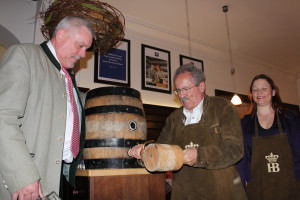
272,158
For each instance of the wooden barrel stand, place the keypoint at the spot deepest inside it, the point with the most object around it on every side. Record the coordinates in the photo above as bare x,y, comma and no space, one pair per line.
119,184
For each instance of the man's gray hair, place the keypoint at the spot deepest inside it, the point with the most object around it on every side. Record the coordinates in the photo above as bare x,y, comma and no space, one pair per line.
197,73
73,22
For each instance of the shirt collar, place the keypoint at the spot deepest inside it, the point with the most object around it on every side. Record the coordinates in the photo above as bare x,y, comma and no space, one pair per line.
198,108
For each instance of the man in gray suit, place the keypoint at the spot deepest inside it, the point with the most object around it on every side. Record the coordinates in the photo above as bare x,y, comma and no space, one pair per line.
36,115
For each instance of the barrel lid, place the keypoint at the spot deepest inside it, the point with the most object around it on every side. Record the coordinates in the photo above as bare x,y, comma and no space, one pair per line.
104,91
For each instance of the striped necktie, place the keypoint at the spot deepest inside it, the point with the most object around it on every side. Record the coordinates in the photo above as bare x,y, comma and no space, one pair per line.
75,139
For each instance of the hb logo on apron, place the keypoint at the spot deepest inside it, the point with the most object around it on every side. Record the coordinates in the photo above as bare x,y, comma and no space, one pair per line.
273,166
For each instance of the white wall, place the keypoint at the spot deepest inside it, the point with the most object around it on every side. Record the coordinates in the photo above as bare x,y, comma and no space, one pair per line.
17,17
167,36
158,24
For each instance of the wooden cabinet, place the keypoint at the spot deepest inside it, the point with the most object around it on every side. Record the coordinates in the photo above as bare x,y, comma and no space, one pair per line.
119,184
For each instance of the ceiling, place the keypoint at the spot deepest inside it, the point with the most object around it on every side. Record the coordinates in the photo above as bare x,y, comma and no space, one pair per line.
264,31
267,31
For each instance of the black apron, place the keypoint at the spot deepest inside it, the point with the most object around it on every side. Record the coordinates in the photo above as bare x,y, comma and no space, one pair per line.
272,168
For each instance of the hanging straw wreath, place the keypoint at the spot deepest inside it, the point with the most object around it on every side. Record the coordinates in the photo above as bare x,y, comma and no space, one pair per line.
107,21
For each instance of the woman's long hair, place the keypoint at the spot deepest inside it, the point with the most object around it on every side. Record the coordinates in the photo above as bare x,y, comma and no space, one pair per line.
276,100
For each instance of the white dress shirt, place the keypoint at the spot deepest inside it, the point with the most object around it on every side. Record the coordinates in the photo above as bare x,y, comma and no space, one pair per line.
194,116
67,154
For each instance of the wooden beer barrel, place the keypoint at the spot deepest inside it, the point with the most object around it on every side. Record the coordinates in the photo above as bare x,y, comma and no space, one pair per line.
162,157
115,121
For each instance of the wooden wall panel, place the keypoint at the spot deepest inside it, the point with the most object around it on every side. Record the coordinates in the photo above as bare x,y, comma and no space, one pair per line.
156,117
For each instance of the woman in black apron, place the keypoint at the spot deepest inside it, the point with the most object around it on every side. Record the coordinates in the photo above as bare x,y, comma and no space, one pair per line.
270,168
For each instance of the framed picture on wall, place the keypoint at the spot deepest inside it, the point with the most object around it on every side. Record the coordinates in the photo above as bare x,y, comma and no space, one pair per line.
113,67
156,69
185,60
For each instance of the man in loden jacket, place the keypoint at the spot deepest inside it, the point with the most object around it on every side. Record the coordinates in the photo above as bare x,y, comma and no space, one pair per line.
209,131
36,116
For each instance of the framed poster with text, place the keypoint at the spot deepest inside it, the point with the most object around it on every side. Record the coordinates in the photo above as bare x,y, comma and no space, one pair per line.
113,67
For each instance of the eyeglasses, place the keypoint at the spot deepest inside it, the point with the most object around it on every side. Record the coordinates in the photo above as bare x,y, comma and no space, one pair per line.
183,90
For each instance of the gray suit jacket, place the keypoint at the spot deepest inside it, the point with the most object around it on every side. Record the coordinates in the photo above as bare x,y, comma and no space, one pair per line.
32,120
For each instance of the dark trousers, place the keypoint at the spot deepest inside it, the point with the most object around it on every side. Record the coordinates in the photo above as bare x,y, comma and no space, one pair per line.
65,188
